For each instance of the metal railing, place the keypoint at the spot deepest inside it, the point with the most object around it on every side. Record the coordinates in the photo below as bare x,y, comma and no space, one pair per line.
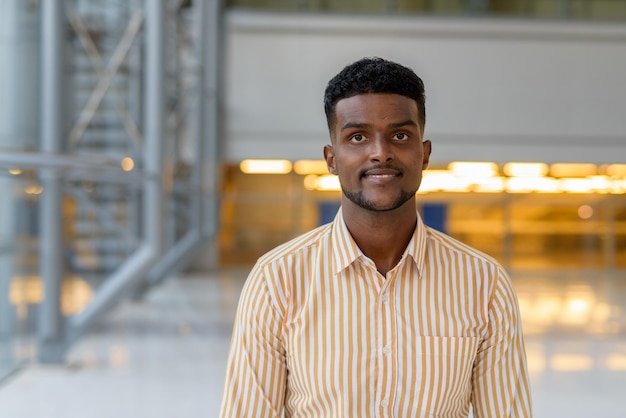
140,206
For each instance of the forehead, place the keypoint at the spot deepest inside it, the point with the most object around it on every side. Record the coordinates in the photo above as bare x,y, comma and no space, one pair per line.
376,106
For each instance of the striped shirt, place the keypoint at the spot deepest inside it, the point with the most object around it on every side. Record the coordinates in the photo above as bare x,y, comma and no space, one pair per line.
319,332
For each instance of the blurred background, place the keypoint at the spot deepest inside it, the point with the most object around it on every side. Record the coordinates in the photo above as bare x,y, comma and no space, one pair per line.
151,151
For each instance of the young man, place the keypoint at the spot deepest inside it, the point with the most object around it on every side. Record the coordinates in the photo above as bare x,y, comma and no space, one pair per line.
376,314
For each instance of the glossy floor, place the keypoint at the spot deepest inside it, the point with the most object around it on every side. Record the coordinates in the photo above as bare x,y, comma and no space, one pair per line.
165,356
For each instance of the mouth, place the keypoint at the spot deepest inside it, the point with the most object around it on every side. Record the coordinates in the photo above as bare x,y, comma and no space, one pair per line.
381,175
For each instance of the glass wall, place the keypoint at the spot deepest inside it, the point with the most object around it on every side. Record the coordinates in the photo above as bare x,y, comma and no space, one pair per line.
562,231
567,9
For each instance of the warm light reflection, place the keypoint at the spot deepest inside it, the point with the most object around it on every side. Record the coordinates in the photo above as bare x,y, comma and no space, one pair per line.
525,169
265,166
441,180
305,167
470,169
576,185
482,177
572,308
532,184
118,356
577,310
325,183
490,185
15,171
585,212
616,361
540,313
600,184
573,170
616,170
33,189
310,182
127,164
535,358
28,290
328,183
571,363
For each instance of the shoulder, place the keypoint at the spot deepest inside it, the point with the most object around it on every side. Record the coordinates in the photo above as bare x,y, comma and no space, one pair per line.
275,272
441,241
295,246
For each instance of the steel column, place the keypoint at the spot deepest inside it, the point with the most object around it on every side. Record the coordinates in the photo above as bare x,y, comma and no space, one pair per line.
205,171
211,131
154,123
50,330
7,217
136,267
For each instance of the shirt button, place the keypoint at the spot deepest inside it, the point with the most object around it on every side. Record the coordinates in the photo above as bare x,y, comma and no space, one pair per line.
385,298
384,403
386,350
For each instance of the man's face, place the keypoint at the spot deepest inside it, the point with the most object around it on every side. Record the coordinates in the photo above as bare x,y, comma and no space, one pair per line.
377,150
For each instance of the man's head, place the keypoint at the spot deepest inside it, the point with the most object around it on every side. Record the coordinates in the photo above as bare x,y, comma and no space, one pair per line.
375,111
374,75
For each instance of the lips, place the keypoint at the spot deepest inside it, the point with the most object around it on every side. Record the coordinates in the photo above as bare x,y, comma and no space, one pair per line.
381,173
381,176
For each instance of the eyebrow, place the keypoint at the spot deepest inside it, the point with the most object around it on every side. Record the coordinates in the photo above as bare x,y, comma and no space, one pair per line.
351,125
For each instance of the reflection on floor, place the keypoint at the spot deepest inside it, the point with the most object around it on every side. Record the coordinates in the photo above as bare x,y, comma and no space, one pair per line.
165,356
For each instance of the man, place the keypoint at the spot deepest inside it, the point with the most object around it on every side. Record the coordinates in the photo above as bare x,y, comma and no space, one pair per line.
376,314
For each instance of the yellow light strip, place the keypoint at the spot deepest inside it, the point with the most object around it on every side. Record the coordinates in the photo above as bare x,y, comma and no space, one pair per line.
483,178
573,170
525,169
328,183
473,169
533,184
305,167
265,166
325,183
616,170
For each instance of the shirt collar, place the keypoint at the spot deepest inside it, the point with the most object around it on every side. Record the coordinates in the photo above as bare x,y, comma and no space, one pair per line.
346,252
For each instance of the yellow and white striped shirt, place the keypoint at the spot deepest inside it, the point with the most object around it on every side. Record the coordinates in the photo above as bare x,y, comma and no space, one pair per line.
320,332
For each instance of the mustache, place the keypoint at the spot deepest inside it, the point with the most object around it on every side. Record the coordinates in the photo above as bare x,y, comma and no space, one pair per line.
382,169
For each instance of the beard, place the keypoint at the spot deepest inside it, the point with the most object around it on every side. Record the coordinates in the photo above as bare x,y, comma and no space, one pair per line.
358,199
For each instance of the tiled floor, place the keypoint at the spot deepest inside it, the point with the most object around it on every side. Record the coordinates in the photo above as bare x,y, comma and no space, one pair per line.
165,356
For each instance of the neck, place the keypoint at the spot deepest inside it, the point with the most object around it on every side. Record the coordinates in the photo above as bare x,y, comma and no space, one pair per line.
381,236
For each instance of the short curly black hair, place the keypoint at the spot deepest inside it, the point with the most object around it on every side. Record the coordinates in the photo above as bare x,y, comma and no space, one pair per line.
374,75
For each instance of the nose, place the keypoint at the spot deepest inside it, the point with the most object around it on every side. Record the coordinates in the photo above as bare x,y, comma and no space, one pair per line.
380,150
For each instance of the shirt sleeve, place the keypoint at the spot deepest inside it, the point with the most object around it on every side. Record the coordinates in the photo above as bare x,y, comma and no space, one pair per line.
500,384
256,369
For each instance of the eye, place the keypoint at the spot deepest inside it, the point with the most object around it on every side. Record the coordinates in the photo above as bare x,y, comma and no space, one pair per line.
356,138
400,136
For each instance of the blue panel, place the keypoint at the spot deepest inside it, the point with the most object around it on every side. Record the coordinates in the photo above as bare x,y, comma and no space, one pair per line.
434,215
327,211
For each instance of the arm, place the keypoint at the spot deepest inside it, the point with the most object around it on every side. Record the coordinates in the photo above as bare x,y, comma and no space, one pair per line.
500,385
256,369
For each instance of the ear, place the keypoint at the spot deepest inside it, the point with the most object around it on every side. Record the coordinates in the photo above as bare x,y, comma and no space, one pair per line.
329,156
426,158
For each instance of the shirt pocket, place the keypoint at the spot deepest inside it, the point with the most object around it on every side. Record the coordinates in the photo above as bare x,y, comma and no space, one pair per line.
447,364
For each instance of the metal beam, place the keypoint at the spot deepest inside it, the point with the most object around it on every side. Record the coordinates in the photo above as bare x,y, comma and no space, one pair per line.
54,159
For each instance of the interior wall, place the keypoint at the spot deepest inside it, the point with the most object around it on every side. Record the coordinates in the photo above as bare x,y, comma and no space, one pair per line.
497,90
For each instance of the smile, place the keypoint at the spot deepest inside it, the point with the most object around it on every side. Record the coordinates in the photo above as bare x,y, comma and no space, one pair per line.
382,173
381,176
